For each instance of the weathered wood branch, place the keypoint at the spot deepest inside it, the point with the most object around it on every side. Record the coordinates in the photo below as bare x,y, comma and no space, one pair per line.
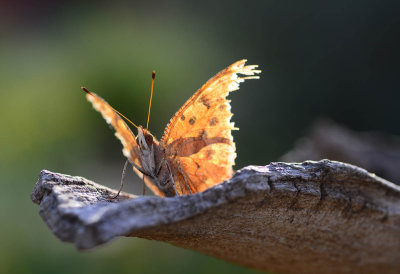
282,217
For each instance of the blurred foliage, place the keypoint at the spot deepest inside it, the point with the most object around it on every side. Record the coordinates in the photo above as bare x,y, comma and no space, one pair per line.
337,59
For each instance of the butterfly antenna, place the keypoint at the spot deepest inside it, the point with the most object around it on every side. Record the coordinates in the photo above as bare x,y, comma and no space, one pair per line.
97,97
151,97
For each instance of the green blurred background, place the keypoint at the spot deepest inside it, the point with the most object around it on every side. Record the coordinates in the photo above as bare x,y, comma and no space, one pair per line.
336,59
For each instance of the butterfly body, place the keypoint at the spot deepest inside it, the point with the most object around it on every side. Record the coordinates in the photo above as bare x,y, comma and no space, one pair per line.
153,163
196,150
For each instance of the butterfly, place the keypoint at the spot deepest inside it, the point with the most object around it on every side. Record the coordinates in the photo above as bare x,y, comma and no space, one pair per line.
196,150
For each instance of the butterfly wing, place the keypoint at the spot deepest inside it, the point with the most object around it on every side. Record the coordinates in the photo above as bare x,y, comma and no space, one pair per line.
197,140
123,133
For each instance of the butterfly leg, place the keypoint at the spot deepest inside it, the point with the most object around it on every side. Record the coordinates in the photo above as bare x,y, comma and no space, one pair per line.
144,186
138,168
184,178
171,178
143,172
160,166
122,181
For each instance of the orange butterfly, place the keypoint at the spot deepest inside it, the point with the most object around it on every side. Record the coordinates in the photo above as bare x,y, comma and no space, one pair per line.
197,149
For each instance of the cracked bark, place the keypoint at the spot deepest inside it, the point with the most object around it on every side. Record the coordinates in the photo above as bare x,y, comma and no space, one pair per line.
283,217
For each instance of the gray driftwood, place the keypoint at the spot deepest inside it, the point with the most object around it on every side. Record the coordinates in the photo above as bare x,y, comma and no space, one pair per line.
285,217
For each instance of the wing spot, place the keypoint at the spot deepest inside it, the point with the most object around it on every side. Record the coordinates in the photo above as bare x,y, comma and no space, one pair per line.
203,134
209,154
205,101
183,117
213,121
222,107
192,120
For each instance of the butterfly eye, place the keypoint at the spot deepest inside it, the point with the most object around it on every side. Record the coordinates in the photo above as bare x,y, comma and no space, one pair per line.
149,139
